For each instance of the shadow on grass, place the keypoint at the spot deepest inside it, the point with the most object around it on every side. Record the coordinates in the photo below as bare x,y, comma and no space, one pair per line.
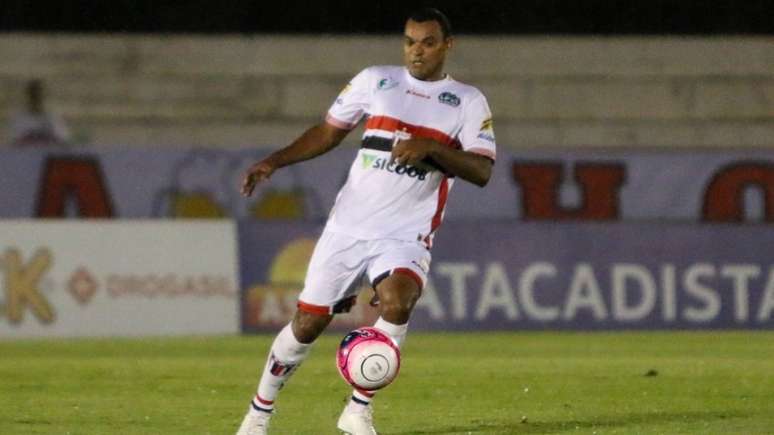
549,427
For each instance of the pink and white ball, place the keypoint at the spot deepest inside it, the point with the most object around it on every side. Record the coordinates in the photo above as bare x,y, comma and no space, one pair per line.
368,359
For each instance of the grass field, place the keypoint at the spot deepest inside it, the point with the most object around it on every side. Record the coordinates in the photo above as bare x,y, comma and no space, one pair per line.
492,383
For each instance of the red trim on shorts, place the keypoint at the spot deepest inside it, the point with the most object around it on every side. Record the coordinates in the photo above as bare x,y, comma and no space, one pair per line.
314,309
263,402
390,124
413,275
366,393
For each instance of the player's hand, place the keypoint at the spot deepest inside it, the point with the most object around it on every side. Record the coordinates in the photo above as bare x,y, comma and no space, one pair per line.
412,151
255,174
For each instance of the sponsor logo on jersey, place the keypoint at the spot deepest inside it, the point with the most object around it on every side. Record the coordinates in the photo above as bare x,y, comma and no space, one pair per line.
386,84
417,94
449,99
486,131
384,164
368,160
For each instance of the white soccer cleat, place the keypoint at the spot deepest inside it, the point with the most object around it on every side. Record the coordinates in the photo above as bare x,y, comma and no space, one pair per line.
357,422
255,423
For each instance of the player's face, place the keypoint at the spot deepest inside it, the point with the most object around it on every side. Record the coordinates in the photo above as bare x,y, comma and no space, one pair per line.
424,49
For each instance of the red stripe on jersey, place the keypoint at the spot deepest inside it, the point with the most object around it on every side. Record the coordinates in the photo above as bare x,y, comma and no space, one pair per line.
411,274
314,309
387,123
443,195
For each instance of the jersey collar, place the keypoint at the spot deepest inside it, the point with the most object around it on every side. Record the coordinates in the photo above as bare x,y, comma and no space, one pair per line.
426,84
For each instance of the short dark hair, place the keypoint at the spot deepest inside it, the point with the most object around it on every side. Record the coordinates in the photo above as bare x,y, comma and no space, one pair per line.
432,14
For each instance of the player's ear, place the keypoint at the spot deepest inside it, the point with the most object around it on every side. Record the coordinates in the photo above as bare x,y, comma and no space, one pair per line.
449,41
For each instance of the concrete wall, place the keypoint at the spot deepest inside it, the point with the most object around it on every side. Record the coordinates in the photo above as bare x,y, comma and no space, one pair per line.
238,91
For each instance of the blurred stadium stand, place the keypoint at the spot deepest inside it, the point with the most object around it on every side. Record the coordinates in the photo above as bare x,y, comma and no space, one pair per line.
240,73
240,90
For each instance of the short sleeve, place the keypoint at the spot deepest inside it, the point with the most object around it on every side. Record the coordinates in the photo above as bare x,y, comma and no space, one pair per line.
477,134
352,103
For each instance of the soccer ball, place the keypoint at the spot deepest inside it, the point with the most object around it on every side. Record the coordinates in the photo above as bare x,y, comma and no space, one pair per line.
368,359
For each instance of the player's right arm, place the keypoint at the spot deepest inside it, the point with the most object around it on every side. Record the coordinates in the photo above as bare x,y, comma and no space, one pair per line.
317,140
348,109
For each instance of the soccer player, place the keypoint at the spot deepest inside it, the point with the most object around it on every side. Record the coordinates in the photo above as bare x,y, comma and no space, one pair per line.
423,129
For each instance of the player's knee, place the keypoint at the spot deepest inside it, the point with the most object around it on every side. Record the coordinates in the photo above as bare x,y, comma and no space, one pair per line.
397,302
397,296
308,326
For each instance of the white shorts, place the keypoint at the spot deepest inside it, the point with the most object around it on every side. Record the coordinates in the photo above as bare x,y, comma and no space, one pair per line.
340,262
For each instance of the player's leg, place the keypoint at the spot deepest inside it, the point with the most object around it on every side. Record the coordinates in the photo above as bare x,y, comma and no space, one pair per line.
289,349
331,274
398,287
398,293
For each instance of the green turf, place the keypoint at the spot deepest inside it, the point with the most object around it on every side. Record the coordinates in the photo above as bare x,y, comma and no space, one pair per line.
491,383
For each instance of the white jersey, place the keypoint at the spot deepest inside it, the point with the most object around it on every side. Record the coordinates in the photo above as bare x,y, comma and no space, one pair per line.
383,200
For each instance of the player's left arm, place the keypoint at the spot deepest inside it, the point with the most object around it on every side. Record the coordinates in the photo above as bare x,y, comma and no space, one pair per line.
467,165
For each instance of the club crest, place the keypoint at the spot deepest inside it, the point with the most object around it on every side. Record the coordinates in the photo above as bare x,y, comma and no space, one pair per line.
449,99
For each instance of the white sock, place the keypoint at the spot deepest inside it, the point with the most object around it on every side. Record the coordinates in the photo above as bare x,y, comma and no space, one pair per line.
362,398
286,354
397,332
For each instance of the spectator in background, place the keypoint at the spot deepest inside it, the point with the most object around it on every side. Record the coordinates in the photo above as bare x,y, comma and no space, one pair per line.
35,126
